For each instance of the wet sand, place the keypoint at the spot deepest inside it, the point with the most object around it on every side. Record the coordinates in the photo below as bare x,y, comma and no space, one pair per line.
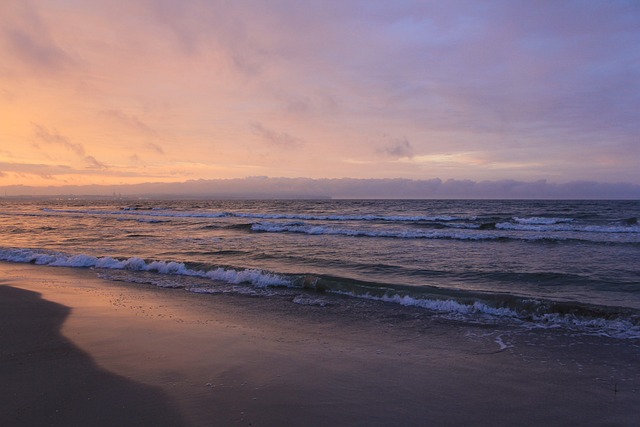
79,350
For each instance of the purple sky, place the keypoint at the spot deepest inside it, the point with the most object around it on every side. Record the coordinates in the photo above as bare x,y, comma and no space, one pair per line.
117,92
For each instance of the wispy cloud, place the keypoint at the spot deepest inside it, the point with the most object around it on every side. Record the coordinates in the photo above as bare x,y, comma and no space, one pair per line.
35,52
41,170
51,171
281,139
154,147
131,121
53,137
95,164
28,38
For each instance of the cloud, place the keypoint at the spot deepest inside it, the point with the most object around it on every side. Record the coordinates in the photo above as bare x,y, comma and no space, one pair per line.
53,137
40,54
308,103
50,171
28,38
397,147
461,89
154,147
264,187
41,170
134,123
7,96
130,121
93,163
232,31
281,139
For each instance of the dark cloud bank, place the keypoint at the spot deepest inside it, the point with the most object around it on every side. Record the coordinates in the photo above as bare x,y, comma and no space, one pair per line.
268,188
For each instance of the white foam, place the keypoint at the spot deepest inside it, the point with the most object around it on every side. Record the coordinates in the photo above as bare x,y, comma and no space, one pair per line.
306,300
240,290
442,305
617,328
614,328
501,343
256,277
455,233
402,234
536,220
566,227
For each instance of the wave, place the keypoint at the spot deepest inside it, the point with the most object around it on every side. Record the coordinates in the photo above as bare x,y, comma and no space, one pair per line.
497,232
438,222
541,220
576,317
305,217
612,229
152,220
614,322
137,212
389,218
528,312
402,234
57,259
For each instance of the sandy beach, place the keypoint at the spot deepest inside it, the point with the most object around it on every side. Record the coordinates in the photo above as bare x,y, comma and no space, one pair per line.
79,350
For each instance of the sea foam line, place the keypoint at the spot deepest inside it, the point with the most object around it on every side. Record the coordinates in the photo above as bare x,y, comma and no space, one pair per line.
444,305
614,328
401,234
471,233
256,277
551,226
537,220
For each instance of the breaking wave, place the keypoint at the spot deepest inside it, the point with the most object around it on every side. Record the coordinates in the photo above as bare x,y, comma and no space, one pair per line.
614,322
493,232
401,234
55,259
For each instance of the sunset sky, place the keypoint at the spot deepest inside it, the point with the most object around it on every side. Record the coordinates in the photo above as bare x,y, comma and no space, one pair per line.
131,91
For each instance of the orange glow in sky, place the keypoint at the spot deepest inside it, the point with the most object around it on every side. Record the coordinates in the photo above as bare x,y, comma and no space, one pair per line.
118,92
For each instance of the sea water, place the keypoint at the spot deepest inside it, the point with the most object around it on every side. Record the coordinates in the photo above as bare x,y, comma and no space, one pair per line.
559,264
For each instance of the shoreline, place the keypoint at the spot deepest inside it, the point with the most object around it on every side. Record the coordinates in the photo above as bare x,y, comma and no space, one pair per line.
222,359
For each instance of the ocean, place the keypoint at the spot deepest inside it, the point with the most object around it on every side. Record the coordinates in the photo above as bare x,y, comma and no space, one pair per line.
572,265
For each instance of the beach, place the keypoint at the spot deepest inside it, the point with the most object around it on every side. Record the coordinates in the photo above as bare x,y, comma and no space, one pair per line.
77,349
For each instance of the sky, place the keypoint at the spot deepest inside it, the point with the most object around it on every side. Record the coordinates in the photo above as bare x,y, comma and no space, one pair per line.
116,92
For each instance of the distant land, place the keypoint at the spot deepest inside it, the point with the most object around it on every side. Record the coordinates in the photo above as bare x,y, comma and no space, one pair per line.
344,188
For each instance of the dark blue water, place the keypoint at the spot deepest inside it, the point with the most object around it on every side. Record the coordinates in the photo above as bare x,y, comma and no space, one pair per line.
547,262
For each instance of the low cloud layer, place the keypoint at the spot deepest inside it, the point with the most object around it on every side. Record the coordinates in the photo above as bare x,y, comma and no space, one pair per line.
263,187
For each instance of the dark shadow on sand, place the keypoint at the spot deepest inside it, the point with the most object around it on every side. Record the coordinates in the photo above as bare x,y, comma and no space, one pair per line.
46,380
